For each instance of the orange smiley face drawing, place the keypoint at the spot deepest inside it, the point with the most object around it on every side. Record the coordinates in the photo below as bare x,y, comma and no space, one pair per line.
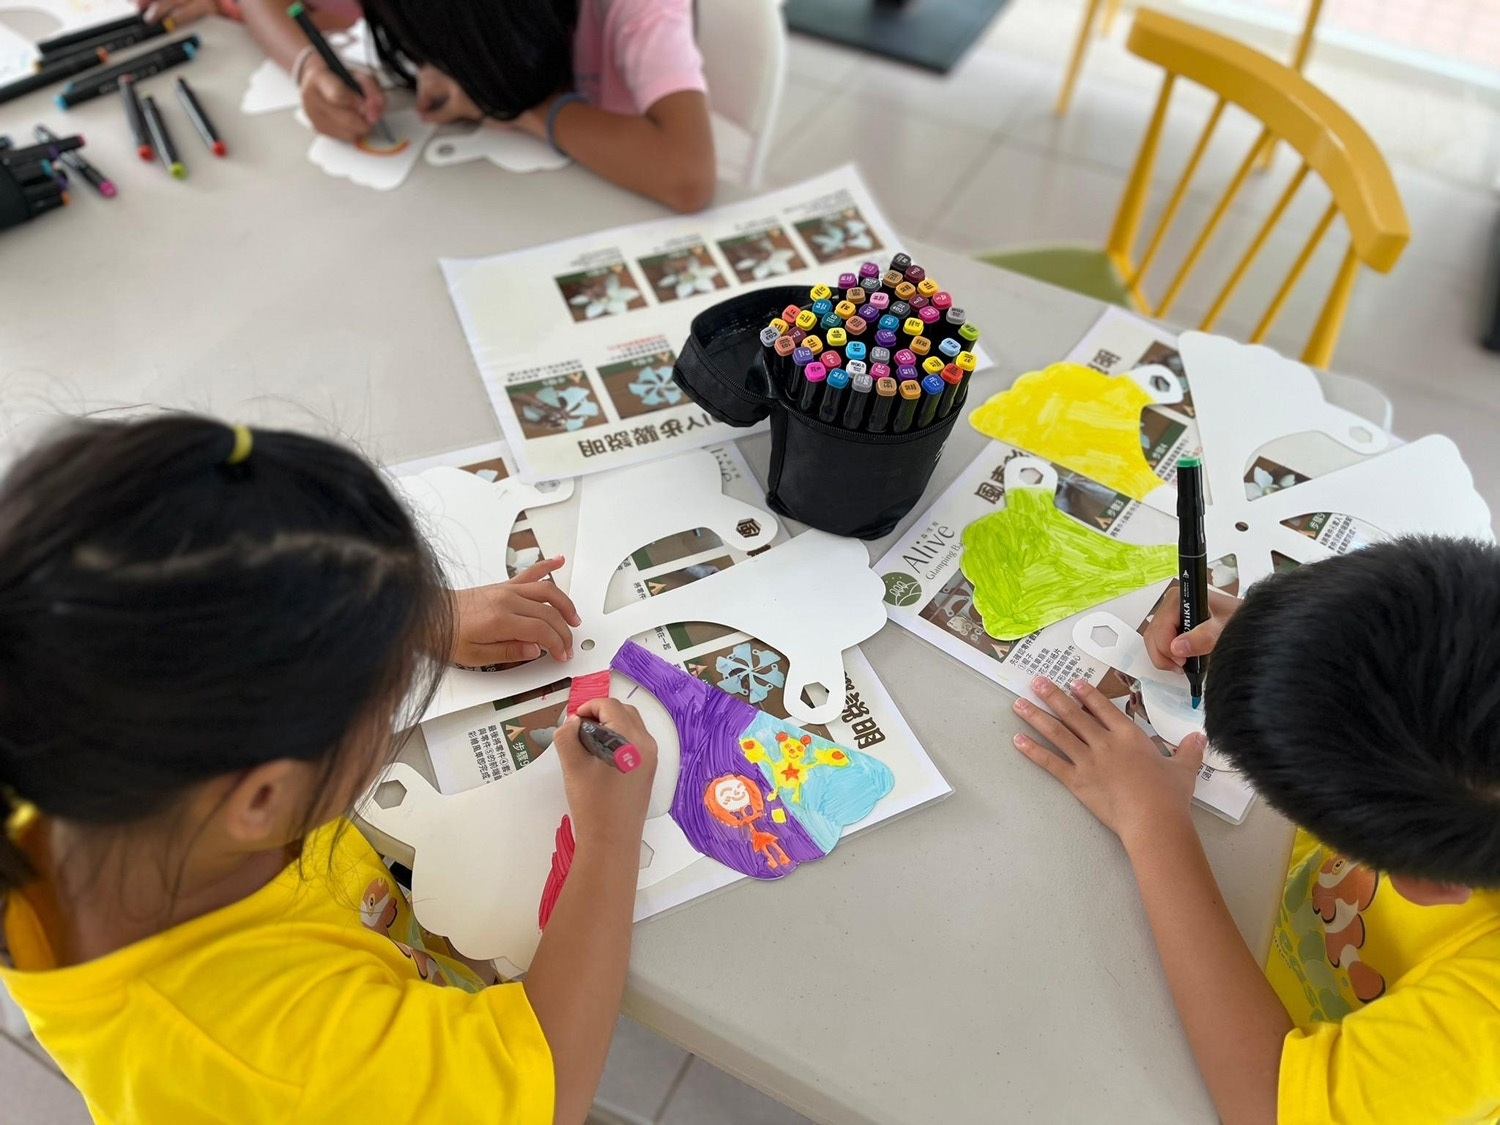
376,147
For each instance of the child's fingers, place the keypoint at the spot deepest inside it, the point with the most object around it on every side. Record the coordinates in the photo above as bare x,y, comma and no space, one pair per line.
1061,704
550,593
374,97
1197,642
1050,729
1190,751
1058,767
1098,705
550,616
501,652
538,570
551,635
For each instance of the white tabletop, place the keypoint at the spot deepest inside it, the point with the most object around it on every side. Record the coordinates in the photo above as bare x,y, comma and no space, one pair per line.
982,960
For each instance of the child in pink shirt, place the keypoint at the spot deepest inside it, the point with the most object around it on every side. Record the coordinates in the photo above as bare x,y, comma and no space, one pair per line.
615,84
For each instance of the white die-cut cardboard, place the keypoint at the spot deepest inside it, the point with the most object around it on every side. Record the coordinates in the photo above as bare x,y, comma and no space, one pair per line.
504,147
371,163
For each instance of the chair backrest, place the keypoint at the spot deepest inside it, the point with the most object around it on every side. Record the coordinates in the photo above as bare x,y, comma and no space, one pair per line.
1331,145
744,47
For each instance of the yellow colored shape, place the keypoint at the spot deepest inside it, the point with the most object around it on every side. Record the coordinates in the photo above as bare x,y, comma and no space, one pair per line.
1032,566
778,815
1077,418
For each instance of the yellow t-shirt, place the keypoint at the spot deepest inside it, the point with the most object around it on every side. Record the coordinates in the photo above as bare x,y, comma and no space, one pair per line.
1397,1006
315,999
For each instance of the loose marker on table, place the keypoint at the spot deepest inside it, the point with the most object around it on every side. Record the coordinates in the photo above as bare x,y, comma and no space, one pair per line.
608,746
137,119
335,64
200,118
162,139
74,160
1192,563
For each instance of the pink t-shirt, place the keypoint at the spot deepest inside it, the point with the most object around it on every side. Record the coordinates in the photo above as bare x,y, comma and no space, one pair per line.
629,54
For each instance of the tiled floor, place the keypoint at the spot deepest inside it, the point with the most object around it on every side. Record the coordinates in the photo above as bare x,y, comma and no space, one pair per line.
977,161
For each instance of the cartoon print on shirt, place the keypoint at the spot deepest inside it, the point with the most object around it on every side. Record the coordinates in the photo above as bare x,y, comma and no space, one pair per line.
1321,930
1342,890
379,908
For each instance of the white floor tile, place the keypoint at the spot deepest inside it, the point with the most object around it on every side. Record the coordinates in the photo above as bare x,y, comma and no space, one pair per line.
708,1096
33,1093
640,1072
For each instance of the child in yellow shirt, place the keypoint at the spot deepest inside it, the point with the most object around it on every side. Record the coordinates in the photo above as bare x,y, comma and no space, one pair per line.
1361,697
210,640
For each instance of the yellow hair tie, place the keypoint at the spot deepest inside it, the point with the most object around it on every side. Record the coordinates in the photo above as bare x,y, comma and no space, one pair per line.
243,440
22,813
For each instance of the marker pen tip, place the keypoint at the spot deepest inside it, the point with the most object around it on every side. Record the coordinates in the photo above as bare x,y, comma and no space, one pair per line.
179,172
219,148
108,189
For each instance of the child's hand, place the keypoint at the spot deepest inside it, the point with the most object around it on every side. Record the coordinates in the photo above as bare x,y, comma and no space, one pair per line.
334,109
1113,767
608,807
514,621
1168,646
441,101
179,11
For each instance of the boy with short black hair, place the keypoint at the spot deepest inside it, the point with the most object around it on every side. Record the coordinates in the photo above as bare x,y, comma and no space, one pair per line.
1361,697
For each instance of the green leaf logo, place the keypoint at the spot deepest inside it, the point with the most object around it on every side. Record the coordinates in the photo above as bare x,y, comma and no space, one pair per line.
902,589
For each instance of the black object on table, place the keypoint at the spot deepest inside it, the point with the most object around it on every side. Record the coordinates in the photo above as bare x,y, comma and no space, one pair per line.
1489,332
933,34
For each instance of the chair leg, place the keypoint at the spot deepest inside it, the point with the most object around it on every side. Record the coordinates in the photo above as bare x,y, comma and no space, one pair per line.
1111,10
1320,345
1075,64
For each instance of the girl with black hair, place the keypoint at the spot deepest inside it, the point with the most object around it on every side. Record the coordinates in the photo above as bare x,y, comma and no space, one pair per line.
615,84
210,640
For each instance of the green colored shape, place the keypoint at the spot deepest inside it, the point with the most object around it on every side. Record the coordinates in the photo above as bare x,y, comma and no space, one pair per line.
1190,462
1083,269
901,589
1031,565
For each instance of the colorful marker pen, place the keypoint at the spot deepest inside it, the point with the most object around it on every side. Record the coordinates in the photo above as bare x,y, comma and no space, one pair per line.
880,355
807,320
949,346
49,74
769,336
832,320
932,365
932,394
918,303
70,39
906,373
837,337
885,338
830,359
813,344
856,367
913,326
778,324
942,301
919,346
905,358
879,369
901,262
855,350
855,294
868,269
900,309
846,309
928,288
860,388
966,361
914,274
112,40
784,346
848,280
867,312
953,382
789,314
954,316
101,82
969,334
891,279
1192,565
608,746
820,293
906,412
881,301
822,307
905,291
880,407
813,377
833,395
929,316
888,322
856,326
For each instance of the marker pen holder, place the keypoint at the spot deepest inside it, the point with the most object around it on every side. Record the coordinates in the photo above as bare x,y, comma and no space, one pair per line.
848,482
13,210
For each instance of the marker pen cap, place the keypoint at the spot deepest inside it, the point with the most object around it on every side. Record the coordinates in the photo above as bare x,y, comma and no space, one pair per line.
905,358
933,384
856,326
815,372
881,301
885,385
846,309
943,300
906,291
915,274
856,367
848,280
929,315
952,373
885,338
789,314
837,337
856,294
867,311
880,355
913,326
860,381
785,345
900,309
910,388
969,333
813,344
918,303
919,346
949,346
900,261
832,320
880,371
954,316
830,359
869,269
769,336
802,356
888,322
855,350
778,324
932,365
807,320
892,279
796,334
906,373
820,293
838,378
966,361
822,308
928,288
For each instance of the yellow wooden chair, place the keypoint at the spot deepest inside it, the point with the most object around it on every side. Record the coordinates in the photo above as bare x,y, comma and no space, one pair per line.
1331,145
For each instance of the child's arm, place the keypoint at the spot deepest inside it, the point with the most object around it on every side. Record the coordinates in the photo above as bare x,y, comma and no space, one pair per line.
178,11
1168,646
332,107
578,974
667,153
1234,1022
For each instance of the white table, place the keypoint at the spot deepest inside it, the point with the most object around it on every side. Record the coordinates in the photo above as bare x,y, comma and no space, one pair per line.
983,960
